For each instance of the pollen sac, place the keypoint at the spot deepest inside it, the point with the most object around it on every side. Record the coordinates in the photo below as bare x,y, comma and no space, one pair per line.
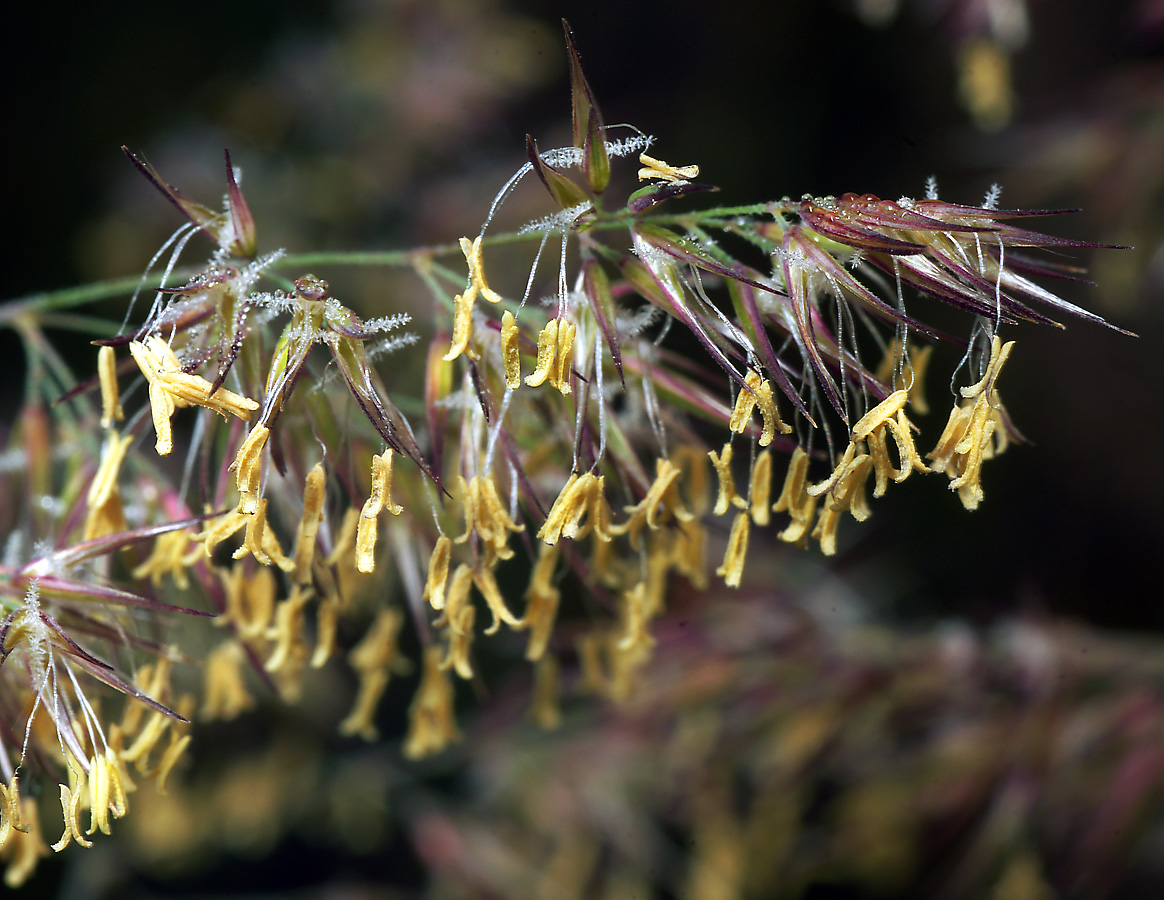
248,467
379,499
462,325
976,431
761,396
732,570
510,355
431,725
727,495
796,500
542,603
375,659
438,573
657,169
547,350
111,410
760,488
473,256
579,498
314,493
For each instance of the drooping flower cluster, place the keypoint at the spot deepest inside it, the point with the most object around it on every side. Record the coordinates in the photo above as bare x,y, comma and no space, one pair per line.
570,445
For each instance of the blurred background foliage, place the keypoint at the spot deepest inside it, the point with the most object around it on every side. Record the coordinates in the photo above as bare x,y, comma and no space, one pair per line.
391,123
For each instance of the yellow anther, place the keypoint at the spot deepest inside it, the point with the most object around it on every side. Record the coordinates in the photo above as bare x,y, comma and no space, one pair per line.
846,493
162,408
576,499
599,519
345,540
366,544
999,353
25,845
170,388
314,493
689,553
290,648
734,557
194,390
975,431
224,694
492,511
594,677
880,414
326,626
379,498
170,756
510,353
105,480
260,541
487,516
761,396
171,555
760,488
460,634
796,500
118,804
10,819
457,598
71,810
98,799
544,709
250,601
438,573
462,325
472,251
105,515
564,357
541,603
248,466
111,410
823,487
727,495
486,583
218,530
153,681
547,351
693,461
374,659
906,449
656,168
889,415
635,615
661,502
432,725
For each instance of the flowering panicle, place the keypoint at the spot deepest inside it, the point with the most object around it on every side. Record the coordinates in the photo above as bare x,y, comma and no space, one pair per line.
567,446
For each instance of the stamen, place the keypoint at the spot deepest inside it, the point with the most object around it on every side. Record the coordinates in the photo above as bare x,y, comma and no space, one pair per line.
111,410
432,726
374,659
510,354
727,495
314,493
732,569
761,487
248,466
225,695
438,573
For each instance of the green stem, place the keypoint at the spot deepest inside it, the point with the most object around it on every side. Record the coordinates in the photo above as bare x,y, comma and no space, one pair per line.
69,298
